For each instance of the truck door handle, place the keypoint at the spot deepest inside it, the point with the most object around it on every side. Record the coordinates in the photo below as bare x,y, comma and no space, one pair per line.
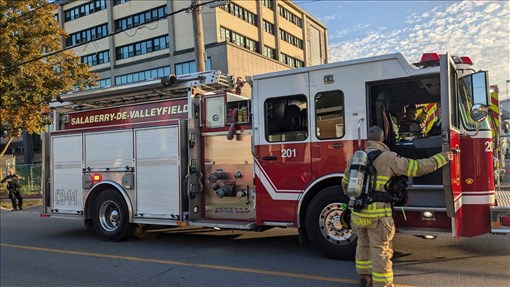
336,145
270,158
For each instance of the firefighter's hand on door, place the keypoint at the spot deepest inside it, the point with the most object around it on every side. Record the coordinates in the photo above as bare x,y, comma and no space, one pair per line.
450,155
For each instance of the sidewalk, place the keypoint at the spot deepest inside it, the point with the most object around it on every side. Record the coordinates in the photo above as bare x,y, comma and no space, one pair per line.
25,198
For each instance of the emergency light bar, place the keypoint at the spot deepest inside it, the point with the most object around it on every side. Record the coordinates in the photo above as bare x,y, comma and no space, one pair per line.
429,57
466,60
432,59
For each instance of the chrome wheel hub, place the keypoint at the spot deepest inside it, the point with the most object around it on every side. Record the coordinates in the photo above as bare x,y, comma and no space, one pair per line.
331,226
109,215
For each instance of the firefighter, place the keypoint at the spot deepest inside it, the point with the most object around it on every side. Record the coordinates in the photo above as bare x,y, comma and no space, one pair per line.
13,187
374,223
413,122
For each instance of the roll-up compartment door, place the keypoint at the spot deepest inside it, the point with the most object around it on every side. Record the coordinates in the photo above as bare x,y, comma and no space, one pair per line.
66,166
157,172
109,150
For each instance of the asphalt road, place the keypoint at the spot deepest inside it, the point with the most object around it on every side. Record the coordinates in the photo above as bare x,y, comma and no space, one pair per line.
38,251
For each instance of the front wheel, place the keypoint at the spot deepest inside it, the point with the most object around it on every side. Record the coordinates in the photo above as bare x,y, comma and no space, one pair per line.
110,217
324,228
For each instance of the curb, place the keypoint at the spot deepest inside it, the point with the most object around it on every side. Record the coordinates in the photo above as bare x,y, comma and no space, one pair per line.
24,196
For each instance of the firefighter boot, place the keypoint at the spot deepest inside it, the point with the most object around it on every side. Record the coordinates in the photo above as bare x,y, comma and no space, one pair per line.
365,281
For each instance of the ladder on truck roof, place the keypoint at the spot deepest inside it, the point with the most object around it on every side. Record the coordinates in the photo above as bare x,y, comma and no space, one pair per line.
160,89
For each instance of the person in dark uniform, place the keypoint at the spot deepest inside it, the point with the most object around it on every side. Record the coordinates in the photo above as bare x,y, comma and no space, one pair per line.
13,187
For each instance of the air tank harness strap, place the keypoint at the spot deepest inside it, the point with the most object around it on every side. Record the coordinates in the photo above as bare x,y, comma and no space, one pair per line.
360,167
378,196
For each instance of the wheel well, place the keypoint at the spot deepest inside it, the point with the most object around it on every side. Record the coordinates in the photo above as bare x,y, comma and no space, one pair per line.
328,182
96,190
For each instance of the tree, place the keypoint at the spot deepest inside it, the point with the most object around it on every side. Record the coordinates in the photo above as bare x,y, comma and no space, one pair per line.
32,71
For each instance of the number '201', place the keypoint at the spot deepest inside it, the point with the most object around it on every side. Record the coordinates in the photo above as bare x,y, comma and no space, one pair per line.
288,152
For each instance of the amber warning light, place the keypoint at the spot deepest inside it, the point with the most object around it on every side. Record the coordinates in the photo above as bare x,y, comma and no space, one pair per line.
96,178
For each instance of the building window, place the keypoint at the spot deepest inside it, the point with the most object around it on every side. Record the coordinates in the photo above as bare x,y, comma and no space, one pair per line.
96,59
142,76
140,18
291,39
140,48
286,118
117,2
56,17
269,52
291,17
84,10
241,13
329,115
269,27
239,39
87,35
190,67
268,4
291,61
103,83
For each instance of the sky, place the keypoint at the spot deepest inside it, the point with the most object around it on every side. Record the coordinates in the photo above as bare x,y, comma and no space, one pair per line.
478,29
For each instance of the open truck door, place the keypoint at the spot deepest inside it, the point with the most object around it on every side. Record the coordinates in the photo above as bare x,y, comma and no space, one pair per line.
450,132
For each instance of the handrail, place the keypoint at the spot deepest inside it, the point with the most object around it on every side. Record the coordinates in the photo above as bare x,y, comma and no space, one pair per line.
359,131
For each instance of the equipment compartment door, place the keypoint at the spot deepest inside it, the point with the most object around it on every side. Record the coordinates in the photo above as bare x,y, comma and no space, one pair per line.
66,166
157,172
450,131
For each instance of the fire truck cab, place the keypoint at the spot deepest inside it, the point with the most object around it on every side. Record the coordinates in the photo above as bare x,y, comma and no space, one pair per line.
187,151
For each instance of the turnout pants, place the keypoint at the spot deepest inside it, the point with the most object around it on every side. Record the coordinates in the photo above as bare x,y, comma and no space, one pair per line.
16,195
374,250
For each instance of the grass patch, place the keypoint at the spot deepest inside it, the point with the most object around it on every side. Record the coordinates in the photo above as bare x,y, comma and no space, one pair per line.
7,204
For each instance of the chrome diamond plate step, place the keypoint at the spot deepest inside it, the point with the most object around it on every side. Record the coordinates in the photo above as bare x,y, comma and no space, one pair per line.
424,231
224,224
503,197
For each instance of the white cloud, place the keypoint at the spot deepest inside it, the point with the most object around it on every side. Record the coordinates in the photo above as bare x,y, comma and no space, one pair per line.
329,17
478,29
339,34
491,8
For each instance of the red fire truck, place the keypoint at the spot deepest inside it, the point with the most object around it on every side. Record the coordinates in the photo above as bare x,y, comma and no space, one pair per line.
185,151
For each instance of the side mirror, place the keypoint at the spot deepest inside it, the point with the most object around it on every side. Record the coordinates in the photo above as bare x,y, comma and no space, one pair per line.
479,112
480,88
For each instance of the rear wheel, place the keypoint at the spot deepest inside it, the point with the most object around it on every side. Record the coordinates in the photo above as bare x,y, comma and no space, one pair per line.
111,217
324,228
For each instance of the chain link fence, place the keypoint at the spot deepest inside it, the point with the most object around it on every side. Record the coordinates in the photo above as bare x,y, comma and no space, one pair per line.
30,179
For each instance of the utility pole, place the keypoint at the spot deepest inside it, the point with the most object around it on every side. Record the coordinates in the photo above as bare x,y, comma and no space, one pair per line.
199,36
507,81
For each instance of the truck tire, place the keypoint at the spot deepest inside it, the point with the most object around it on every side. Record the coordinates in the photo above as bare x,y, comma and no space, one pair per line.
111,217
323,225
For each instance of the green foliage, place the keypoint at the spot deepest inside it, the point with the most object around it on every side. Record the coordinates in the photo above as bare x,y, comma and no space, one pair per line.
28,30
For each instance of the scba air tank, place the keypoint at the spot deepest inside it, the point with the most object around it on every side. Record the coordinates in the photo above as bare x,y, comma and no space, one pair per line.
357,174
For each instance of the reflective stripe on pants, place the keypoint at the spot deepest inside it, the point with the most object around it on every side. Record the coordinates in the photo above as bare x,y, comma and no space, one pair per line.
374,250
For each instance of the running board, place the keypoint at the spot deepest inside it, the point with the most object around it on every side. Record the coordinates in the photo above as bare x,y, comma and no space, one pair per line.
224,224
500,214
503,197
424,231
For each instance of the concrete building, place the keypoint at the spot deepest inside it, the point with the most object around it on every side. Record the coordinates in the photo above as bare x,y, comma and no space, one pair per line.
242,38
134,40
